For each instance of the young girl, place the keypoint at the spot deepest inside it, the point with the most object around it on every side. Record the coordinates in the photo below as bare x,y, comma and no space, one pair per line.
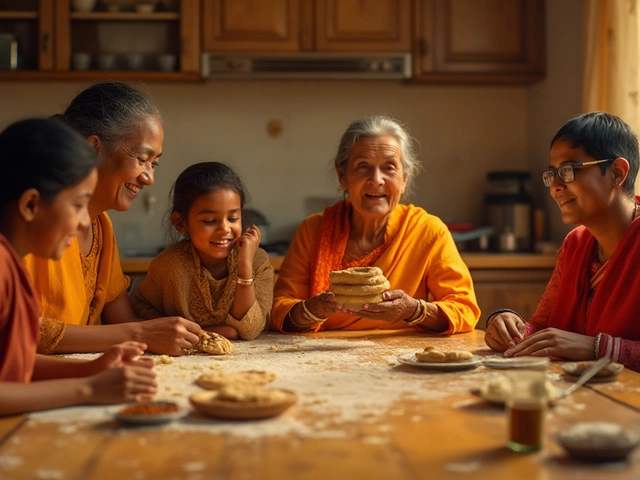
50,174
218,276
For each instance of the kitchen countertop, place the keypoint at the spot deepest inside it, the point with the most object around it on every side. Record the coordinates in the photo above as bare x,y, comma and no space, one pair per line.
473,261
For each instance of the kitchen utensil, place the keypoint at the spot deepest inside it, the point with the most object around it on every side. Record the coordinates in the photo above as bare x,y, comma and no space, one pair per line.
508,209
585,377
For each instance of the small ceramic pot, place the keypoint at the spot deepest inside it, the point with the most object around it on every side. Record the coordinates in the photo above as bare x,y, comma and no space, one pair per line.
81,61
106,61
167,62
83,6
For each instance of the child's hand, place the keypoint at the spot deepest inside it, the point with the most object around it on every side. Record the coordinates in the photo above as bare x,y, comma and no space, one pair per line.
248,244
121,355
122,384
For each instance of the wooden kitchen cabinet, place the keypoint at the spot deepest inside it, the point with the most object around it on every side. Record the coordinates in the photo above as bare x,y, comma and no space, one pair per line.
125,34
517,289
479,41
306,25
31,23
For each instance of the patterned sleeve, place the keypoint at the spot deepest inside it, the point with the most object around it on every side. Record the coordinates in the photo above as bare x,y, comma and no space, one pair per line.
257,317
540,318
626,352
51,332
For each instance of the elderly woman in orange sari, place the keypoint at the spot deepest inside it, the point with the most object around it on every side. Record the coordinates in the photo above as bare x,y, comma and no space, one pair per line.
431,288
590,306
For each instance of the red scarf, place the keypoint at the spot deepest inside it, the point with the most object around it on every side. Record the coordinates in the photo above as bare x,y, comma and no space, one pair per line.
615,308
332,243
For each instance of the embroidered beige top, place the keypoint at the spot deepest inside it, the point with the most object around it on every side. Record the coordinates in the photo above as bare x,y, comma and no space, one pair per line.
178,284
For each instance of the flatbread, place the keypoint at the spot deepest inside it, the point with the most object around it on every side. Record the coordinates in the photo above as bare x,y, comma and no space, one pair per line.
243,393
218,379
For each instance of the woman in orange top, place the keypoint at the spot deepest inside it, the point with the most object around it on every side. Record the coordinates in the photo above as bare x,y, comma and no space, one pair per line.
431,287
87,286
43,205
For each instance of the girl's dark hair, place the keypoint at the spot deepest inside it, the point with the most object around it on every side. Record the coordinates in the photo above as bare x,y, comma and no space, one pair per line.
44,154
111,111
603,136
200,179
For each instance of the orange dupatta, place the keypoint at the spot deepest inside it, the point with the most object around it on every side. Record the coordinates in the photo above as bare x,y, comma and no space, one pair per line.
332,244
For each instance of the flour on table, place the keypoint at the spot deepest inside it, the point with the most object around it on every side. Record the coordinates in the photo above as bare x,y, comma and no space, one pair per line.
341,384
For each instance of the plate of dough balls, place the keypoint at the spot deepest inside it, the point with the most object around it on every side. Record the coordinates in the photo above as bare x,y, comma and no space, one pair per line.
496,389
434,358
241,395
357,286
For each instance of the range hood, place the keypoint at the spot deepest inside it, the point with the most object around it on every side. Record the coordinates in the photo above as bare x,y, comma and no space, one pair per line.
373,66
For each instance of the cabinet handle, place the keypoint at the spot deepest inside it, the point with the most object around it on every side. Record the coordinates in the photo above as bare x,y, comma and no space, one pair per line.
45,43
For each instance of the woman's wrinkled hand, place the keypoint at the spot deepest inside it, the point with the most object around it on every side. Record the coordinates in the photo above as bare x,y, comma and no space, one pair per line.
504,331
323,305
397,305
170,335
552,342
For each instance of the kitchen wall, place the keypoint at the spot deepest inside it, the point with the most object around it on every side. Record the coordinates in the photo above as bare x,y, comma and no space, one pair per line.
462,131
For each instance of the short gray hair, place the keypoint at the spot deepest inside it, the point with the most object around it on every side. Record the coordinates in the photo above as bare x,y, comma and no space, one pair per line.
110,110
378,126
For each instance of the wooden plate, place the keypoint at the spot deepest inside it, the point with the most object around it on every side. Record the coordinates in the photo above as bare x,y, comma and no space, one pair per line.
207,403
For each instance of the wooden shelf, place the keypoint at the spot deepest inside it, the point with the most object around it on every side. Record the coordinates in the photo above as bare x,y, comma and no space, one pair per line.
127,16
4,15
151,76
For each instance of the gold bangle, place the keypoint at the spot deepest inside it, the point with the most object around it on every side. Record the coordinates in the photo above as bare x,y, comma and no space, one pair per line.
310,315
422,316
245,281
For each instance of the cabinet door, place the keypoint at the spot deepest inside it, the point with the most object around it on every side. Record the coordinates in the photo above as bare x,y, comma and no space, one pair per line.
480,40
251,25
519,290
30,23
363,25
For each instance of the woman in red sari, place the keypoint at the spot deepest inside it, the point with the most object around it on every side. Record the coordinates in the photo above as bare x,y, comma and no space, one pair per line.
590,307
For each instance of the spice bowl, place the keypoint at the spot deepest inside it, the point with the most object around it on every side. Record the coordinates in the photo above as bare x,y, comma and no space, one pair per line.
150,413
598,441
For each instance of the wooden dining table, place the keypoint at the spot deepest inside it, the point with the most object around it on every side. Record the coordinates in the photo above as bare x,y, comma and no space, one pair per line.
360,414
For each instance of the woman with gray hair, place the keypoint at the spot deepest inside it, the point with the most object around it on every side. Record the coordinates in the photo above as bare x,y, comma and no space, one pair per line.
427,285
85,306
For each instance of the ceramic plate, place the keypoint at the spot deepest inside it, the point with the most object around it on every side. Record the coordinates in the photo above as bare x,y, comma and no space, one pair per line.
207,403
131,418
517,362
598,441
410,359
498,399
606,374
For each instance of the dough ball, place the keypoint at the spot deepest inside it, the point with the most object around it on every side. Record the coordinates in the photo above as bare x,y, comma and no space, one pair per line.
214,344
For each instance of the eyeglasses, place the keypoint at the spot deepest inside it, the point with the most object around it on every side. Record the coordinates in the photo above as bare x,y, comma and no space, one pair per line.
566,173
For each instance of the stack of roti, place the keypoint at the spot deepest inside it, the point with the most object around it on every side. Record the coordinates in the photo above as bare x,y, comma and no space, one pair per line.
358,285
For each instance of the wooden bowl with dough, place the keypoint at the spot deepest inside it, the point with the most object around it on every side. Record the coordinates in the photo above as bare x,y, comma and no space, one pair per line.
207,403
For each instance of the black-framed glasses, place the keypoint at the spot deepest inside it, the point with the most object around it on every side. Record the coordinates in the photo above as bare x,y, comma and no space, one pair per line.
566,173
